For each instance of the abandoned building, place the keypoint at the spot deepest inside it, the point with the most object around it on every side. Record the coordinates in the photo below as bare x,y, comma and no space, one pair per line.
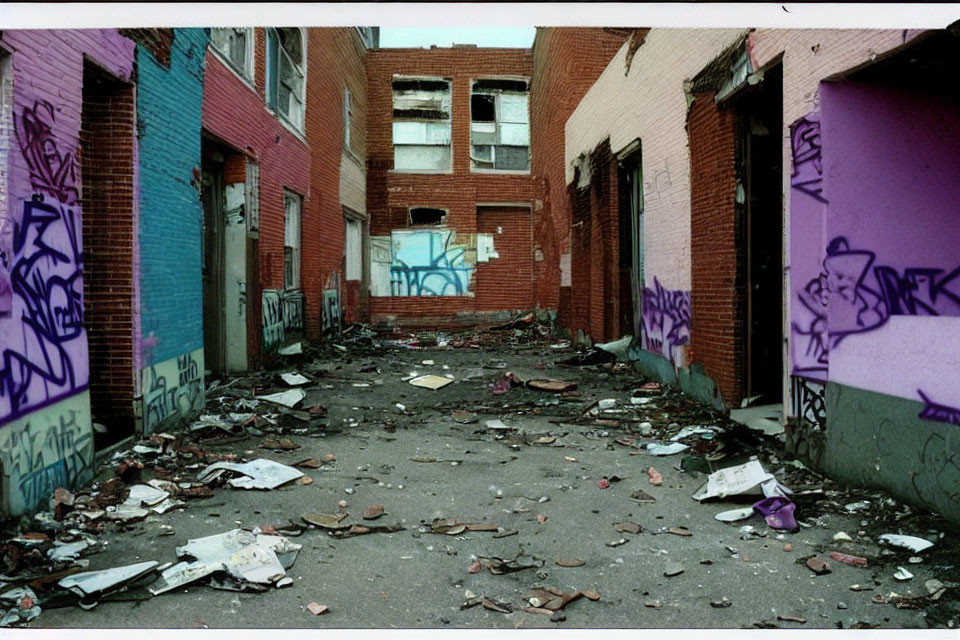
769,216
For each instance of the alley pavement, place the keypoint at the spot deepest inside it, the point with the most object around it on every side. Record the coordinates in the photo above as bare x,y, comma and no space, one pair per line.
519,492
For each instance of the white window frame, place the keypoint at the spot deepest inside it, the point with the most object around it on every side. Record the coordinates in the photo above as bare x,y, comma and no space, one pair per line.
497,122
246,71
272,69
448,122
292,238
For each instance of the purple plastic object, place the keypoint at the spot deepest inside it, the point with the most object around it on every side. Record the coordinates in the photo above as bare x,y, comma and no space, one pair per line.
777,511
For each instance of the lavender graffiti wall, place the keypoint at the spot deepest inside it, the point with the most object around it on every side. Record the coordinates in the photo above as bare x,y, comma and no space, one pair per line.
665,322
875,273
44,369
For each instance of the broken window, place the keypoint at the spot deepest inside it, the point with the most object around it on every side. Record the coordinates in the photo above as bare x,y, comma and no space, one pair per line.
426,216
500,125
292,205
421,124
235,44
285,73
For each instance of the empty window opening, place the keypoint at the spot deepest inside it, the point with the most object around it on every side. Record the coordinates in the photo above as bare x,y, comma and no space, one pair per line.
500,125
427,216
421,124
235,44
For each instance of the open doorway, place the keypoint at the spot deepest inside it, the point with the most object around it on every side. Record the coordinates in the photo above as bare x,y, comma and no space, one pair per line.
106,159
630,182
213,161
760,205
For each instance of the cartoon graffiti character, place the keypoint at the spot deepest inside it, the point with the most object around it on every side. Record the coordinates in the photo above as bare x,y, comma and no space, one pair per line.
51,172
839,301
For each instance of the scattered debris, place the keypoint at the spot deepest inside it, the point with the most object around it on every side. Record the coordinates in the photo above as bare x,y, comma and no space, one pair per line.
673,569
906,542
741,479
723,603
289,398
818,565
317,609
902,575
735,515
257,474
570,562
856,561
628,527
655,478
430,382
374,512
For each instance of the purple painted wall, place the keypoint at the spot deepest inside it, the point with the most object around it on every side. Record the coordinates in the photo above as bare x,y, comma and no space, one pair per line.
44,350
875,256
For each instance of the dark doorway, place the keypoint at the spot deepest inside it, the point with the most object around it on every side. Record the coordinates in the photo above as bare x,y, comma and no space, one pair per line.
630,184
760,203
106,159
213,259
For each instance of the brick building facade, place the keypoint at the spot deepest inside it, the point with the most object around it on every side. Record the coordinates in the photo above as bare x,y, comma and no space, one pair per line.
448,266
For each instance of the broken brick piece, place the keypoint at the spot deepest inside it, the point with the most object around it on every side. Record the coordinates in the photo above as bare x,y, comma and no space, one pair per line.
818,565
318,609
846,558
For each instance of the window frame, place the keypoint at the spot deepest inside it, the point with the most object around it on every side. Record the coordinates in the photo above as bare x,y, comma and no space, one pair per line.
246,74
296,249
448,121
497,123
272,80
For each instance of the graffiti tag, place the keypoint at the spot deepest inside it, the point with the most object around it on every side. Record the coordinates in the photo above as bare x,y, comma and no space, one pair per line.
666,321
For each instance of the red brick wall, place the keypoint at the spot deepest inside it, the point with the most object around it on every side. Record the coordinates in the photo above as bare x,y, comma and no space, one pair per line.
107,164
566,63
506,282
389,194
337,63
716,336
236,115
595,251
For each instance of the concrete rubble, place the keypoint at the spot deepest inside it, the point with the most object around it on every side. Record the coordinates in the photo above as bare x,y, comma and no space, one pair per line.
503,497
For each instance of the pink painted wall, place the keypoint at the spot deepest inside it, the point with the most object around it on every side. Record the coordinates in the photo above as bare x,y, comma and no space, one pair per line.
43,346
878,262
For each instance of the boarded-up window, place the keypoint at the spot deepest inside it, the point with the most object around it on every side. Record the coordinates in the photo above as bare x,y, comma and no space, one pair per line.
421,124
500,125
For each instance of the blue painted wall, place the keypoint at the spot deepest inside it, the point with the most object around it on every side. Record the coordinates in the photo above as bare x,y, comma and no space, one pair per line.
169,109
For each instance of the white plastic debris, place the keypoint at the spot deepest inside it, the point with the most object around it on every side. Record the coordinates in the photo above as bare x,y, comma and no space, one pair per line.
63,552
289,398
23,606
258,474
734,515
902,574
607,403
294,379
842,536
656,449
291,350
498,425
618,348
707,433
746,478
906,542
640,401
93,582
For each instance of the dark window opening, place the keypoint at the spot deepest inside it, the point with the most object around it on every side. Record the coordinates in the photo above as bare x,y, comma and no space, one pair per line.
427,216
500,85
421,85
483,108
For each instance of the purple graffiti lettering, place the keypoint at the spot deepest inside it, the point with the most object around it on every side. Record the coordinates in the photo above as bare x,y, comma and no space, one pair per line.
938,412
665,320
807,173
919,292
46,276
839,292
51,172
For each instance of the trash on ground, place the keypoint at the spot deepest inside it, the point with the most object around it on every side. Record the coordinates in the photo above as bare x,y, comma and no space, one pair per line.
431,382
672,569
842,536
309,463
707,433
499,607
317,609
723,603
934,588
245,556
282,444
735,515
325,520
741,479
906,542
777,511
642,496
603,483
846,558
294,379
792,618
656,449
655,478
680,531
499,566
498,425
464,417
618,348
67,551
289,398
653,604
617,543
291,350
554,386
902,574
257,474
97,583
23,606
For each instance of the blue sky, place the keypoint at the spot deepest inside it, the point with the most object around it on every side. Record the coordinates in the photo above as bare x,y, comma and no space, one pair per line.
512,37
